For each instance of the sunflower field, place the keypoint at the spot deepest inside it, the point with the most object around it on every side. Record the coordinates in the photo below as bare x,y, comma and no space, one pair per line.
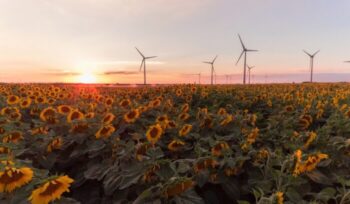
266,144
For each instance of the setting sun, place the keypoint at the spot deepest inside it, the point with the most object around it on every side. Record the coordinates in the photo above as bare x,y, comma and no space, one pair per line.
87,78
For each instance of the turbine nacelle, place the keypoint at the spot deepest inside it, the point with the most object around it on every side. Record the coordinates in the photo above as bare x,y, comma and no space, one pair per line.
310,55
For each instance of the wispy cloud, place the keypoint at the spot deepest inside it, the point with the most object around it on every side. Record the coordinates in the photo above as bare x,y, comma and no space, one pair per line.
118,62
120,73
58,72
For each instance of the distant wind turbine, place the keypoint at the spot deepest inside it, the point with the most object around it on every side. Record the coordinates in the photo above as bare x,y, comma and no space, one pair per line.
144,64
212,69
311,63
244,51
249,68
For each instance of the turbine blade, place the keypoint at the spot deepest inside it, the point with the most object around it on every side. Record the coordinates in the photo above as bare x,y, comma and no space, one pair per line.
214,59
307,53
139,52
252,50
207,62
347,61
240,39
316,53
151,57
240,57
143,61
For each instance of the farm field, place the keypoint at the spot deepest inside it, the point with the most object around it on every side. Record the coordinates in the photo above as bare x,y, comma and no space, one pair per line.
282,143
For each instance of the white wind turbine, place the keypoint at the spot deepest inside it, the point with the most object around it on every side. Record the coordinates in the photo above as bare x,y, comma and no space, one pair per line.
144,64
244,51
311,64
249,69
212,69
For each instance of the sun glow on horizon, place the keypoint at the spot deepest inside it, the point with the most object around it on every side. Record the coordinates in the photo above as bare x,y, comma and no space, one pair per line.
87,78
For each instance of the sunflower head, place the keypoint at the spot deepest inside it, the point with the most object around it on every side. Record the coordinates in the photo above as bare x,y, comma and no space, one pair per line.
132,116
12,178
13,137
12,99
55,144
75,115
64,109
108,118
185,130
48,115
51,190
175,145
154,133
25,103
105,131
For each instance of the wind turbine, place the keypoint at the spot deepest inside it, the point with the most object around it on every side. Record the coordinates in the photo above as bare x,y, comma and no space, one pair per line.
311,63
144,64
249,68
212,69
244,51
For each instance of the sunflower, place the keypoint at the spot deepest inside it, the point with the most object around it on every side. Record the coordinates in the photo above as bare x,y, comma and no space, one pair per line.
12,178
141,150
40,130
51,190
185,108
105,131
162,119
5,150
25,103
125,103
64,109
178,188
175,145
279,197
222,111
205,164
2,130
108,118
153,133
12,99
185,130
16,116
289,108
184,116
40,100
89,115
171,124
79,127
48,115
13,137
207,122
54,144
132,116
109,101
75,115
155,103
227,120
150,174
219,148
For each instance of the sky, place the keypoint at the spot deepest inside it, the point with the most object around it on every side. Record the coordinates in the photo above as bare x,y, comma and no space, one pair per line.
94,40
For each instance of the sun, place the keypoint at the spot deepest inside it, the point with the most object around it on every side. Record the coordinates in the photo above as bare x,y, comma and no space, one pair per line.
87,78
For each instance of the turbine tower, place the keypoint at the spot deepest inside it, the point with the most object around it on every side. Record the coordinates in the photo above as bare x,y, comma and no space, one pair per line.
212,69
311,64
143,63
249,68
244,51
199,78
